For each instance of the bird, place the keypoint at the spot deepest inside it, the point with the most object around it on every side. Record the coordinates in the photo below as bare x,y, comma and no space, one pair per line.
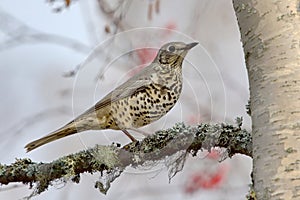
142,99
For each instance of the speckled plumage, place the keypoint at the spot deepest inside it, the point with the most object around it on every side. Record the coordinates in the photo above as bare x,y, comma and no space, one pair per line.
142,99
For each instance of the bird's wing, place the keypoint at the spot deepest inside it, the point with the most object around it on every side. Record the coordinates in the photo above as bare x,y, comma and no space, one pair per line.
131,86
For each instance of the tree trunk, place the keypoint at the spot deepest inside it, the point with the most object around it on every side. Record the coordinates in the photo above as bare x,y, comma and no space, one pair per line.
270,32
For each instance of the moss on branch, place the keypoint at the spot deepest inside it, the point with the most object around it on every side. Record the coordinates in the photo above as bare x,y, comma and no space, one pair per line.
112,159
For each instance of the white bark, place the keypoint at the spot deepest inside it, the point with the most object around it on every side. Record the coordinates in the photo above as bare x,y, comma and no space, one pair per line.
270,32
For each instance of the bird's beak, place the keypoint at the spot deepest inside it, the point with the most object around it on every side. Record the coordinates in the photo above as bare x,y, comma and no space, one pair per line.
191,45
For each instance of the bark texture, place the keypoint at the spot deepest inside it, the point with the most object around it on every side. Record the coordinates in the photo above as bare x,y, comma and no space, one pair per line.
270,32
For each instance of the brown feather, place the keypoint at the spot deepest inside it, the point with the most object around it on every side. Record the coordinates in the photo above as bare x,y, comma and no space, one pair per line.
67,130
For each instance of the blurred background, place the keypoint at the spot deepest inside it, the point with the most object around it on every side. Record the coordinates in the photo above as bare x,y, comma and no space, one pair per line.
57,61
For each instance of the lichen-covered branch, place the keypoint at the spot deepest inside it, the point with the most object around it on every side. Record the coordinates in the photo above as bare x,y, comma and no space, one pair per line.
113,159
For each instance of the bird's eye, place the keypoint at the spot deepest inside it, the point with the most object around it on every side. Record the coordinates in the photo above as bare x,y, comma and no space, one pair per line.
171,48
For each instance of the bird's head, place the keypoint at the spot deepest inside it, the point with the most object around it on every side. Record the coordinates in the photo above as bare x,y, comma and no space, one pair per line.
173,53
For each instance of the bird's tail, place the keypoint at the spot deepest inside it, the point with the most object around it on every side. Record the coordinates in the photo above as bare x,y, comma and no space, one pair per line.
69,129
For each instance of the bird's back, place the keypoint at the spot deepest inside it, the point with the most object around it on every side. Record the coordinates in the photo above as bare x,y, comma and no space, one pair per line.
142,99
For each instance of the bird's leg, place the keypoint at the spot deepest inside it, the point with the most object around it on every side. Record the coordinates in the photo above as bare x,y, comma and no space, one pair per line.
129,135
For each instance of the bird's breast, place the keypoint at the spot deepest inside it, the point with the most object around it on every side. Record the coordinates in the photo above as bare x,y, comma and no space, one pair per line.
145,106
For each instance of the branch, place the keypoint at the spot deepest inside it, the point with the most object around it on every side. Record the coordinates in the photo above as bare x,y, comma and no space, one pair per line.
19,33
111,160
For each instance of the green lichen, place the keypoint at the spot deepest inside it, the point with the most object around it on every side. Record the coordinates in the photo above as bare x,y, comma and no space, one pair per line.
290,150
105,155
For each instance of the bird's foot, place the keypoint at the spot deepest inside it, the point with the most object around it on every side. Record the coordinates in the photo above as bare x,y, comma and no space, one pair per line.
129,135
